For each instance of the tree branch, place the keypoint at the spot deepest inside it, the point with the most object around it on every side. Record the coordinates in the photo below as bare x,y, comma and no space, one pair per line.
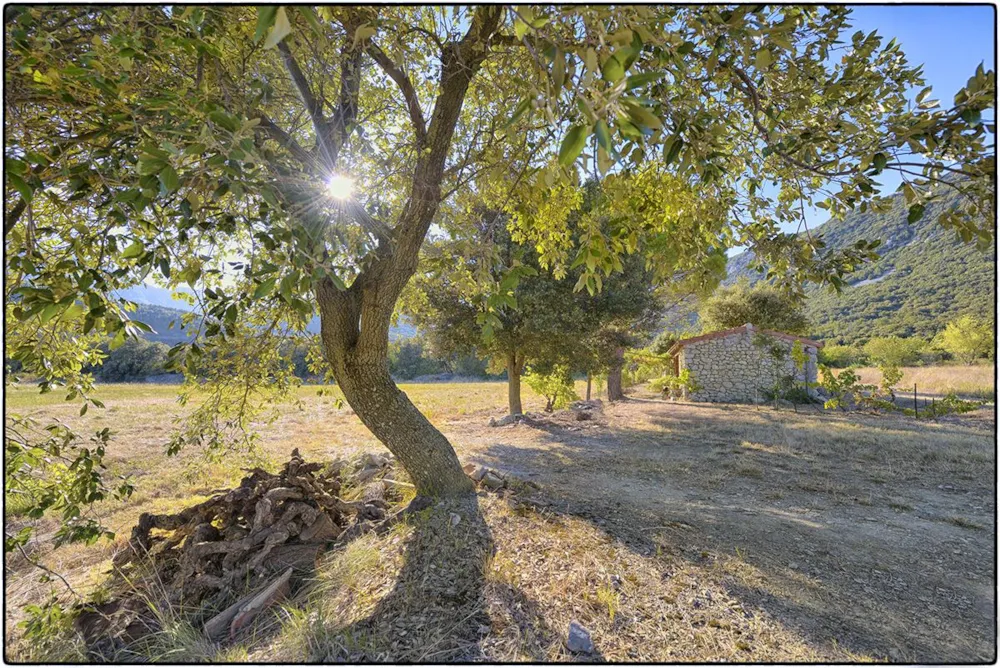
406,87
272,130
11,217
313,106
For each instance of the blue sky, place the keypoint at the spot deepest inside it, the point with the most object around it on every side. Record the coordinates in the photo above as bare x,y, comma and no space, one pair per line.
950,41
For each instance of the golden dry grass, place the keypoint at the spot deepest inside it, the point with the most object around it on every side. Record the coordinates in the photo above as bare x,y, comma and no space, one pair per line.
977,381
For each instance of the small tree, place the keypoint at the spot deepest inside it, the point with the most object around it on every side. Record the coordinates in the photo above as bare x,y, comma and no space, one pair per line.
555,384
894,350
967,338
761,305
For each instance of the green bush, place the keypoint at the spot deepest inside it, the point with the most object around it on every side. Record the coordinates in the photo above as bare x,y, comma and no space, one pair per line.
895,350
762,305
556,386
675,385
841,357
967,339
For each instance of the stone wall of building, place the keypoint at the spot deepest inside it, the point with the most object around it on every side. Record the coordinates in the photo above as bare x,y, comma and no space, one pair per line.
734,369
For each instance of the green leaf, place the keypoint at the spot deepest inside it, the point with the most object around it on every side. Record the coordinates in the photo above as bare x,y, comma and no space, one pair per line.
604,161
612,72
50,312
641,115
225,120
573,144
641,79
118,341
265,18
763,59
310,17
915,214
149,165
169,179
603,135
671,149
22,187
134,249
265,288
519,110
279,30
879,160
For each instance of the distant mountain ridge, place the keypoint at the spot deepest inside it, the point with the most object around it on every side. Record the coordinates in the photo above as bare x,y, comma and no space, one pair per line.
158,308
924,278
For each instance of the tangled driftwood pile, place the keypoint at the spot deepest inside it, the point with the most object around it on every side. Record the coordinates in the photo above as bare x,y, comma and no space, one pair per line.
254,535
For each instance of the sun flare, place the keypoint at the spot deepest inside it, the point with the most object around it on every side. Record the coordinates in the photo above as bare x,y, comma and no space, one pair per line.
340,187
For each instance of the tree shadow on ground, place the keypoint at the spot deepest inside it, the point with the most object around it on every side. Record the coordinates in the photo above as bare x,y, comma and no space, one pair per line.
437,609
836,600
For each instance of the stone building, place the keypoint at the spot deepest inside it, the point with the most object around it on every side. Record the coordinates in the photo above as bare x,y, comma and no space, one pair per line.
738,365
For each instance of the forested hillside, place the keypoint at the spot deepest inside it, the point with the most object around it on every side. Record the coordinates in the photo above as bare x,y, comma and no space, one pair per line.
924,278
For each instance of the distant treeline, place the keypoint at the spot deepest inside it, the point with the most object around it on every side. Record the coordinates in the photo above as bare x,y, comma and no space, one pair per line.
137,360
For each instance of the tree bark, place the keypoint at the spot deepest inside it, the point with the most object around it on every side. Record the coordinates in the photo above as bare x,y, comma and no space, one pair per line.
615,376
588,386
362,373
514,385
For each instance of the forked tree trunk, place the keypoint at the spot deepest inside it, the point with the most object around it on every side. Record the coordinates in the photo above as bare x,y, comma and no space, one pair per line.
514,385
354,323
615,376
361,368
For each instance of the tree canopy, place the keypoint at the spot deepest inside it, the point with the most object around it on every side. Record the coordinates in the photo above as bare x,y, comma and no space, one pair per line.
761,304
967,338
201,146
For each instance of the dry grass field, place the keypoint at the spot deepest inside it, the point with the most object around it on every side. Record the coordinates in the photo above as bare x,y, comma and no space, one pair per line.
673,532
969,381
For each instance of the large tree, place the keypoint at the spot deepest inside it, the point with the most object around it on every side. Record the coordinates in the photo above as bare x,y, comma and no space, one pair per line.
211,146
482,293
760,304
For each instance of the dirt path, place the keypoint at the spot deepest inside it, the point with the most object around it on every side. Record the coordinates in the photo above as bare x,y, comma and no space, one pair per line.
872,533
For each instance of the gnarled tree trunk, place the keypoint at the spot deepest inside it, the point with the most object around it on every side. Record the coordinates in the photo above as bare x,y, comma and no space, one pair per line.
615,376
514,384
361,367
355,322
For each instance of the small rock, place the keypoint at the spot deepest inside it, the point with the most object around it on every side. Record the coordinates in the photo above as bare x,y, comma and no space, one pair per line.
793,565
583,415
492,481
578,640
475,471
455,519
505,420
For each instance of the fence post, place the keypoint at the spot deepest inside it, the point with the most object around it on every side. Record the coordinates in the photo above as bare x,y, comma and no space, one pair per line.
916,415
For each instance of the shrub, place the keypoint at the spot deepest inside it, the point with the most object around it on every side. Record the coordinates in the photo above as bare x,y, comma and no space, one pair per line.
675,385
841,388
841,357
894,350
556,386
967,338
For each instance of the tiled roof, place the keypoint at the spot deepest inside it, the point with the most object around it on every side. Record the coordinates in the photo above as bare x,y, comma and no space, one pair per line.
723,333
